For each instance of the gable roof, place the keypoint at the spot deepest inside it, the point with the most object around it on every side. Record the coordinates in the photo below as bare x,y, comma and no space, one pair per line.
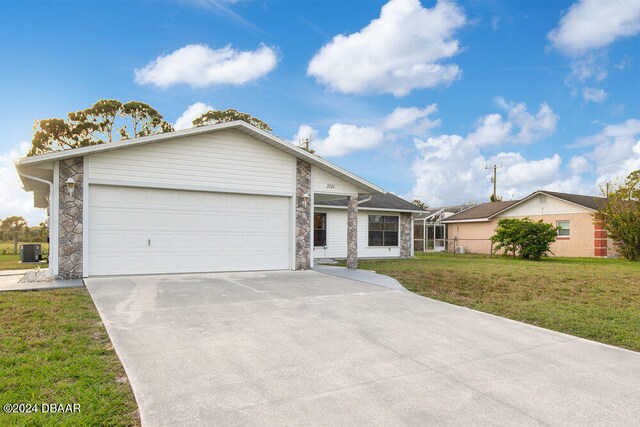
486,211
483,211
444,210
591,202
385,201
241,126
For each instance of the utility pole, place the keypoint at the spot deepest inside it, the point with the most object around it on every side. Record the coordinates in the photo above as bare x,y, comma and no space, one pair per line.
494,179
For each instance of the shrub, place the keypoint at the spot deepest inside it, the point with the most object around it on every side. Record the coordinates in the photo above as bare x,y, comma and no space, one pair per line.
529,239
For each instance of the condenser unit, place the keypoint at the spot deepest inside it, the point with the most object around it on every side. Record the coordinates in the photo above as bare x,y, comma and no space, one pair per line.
30,253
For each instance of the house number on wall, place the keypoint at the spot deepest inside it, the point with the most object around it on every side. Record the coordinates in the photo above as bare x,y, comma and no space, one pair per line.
331,186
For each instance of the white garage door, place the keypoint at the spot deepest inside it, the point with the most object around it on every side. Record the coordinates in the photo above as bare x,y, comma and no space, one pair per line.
141,231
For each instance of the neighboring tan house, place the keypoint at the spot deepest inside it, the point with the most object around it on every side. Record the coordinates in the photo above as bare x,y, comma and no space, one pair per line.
380,226
223,197
580,234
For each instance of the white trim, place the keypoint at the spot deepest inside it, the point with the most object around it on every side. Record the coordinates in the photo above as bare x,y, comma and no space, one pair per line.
311,228
453,221
206,189
55,223
412,222
367,208
294,218
85,217
239,125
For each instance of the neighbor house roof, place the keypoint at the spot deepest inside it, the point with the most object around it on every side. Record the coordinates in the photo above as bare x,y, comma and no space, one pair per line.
486,211
591,202
384,201
483,211
241,126
444,211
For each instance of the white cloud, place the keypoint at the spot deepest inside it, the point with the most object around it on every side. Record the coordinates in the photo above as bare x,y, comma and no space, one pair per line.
452,168
200,66
588,67
594,24
13,199
193,111
531,127
343,139
396,53
594,94
579,165
616,151
415,120
491,130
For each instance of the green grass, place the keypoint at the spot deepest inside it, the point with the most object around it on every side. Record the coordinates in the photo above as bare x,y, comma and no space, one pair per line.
598,299
9,261
54,349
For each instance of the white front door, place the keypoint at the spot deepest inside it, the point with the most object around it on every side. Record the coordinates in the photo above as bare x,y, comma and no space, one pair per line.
144,230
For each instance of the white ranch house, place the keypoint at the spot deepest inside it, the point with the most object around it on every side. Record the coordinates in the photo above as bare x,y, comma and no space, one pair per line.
224,197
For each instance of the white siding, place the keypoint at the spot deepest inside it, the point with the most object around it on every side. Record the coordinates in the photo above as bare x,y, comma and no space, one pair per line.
366,251
337,236
553,206
326,183
227,161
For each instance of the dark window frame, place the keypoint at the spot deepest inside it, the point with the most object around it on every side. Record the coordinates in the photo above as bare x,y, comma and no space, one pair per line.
320,234
385,233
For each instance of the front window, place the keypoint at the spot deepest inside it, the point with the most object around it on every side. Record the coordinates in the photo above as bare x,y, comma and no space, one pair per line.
565,228
383,230
319,229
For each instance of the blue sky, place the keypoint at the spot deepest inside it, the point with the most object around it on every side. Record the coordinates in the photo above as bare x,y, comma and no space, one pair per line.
415,96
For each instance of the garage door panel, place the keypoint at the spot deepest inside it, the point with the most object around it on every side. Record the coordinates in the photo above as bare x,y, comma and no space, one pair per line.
189,231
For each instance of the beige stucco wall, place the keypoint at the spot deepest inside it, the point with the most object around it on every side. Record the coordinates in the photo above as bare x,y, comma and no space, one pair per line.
474,236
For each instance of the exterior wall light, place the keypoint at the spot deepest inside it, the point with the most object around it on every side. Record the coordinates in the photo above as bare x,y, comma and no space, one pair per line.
71,184
305,200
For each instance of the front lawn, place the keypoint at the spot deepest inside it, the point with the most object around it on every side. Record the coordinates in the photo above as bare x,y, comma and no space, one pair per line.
9,261
54,349
598,299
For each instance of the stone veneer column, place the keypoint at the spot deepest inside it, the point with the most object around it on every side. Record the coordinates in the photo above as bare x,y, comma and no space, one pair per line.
70,219
303,216
405,235
352,232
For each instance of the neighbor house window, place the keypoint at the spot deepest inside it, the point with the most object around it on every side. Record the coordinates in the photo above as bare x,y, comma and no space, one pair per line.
320,229
383,230
565,228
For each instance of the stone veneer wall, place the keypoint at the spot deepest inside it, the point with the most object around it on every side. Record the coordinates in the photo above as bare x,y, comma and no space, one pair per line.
405,235
70,217
352,232
303,216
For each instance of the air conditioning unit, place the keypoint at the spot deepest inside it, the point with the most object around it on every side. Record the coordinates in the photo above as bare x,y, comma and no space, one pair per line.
460,250
30,253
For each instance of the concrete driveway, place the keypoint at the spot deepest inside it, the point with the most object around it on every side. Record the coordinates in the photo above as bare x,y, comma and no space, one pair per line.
304,348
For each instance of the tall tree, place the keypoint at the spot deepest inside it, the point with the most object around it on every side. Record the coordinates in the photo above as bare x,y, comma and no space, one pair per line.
145,120
621,216
14,226
105,121
220,116
420,204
